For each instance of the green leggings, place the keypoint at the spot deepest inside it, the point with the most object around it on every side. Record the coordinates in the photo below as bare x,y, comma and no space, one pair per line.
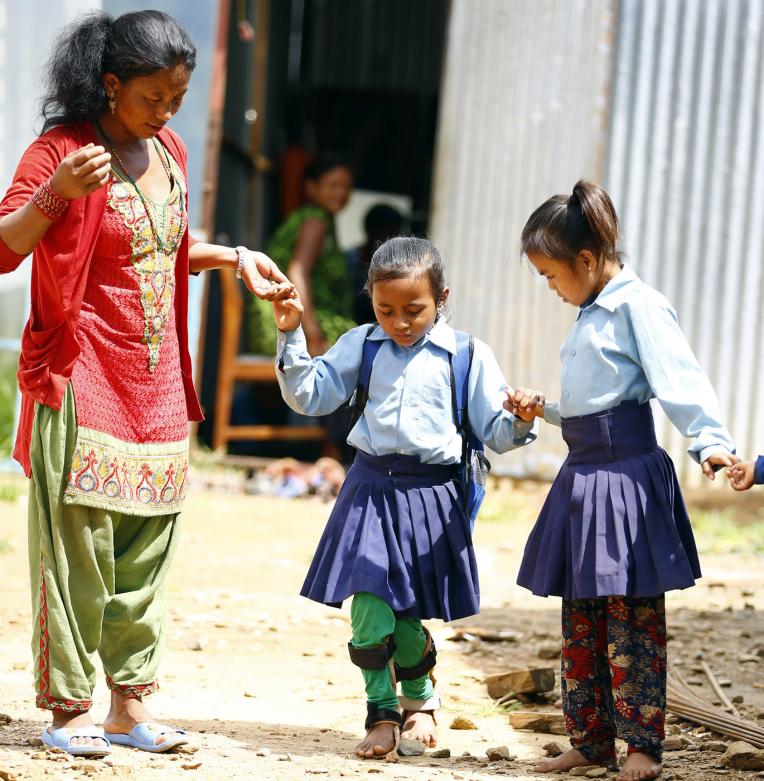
373,621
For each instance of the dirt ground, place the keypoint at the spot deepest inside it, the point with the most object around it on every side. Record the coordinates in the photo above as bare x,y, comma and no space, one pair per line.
261,679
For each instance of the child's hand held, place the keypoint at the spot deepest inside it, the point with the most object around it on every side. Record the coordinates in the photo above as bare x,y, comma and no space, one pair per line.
741,475
525,403
287,312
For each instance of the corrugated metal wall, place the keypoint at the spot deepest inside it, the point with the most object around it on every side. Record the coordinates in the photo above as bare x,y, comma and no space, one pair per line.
663,100
686,171
523,115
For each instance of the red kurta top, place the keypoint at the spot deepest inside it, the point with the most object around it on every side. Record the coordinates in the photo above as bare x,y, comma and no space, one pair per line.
60,270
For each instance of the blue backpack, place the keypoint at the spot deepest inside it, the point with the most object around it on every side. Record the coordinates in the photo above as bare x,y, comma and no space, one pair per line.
474,464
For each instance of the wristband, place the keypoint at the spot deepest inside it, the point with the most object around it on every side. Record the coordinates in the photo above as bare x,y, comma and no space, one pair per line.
241,254
49,202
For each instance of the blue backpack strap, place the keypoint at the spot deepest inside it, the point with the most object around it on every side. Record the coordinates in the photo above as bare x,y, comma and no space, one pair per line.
460,381
357,402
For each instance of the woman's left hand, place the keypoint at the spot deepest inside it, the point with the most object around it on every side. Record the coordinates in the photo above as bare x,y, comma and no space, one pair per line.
265,279
720,459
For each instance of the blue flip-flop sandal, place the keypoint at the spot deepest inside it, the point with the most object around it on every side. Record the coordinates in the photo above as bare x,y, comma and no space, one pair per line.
62,738
143,736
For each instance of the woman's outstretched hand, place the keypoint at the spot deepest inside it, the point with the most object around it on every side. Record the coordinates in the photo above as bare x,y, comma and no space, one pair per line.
81,172
720,459
264,278
287,312
525,403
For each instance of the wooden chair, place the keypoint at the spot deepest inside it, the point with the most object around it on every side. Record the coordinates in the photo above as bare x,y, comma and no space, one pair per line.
233,368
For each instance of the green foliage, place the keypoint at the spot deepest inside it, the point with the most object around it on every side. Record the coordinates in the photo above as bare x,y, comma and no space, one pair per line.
10,492
718,531
7,406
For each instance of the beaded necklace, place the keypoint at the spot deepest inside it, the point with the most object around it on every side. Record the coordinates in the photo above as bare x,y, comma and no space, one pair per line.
162,154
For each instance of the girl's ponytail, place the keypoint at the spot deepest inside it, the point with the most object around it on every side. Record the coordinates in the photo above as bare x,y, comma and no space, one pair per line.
564,226
599,213
74,90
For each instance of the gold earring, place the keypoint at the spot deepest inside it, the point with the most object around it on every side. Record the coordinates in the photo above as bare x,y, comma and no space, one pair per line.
112,103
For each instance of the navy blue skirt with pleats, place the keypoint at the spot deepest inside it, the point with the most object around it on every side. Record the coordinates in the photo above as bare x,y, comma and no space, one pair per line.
614,522
398,530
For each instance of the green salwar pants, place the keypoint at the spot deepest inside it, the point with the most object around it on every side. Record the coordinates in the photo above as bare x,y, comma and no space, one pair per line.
373,622
97,581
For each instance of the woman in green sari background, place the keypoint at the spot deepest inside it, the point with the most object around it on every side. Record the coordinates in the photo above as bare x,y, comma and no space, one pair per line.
305,247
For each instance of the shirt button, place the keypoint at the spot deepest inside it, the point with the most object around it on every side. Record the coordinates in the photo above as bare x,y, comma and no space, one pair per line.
573,353
566,395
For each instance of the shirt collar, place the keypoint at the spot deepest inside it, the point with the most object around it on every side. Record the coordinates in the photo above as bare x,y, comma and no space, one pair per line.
616,290
441,335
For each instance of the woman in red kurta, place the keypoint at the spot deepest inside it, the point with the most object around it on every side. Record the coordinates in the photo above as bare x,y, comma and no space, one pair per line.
105,373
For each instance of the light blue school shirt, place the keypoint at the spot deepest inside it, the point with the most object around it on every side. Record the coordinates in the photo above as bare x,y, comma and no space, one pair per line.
410,409
627,344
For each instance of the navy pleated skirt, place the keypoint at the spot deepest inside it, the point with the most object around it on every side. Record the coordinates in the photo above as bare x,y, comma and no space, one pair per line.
614,522
398,530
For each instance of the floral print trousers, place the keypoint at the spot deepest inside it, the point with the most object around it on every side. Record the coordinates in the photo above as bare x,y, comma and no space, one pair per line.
614,675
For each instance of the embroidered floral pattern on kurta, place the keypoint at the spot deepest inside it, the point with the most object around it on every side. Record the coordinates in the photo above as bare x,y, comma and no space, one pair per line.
131,453
104,468
155,269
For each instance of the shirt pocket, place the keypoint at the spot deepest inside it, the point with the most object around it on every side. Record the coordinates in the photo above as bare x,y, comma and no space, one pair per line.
434,407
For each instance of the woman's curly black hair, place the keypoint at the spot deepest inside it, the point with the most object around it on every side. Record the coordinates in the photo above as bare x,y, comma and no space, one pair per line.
134,44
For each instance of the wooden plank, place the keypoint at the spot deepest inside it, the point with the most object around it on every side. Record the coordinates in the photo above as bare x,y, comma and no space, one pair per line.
265,433
540,679
549,722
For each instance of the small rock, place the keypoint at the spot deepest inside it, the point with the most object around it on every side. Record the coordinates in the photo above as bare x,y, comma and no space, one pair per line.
462,722
579,771
441,753
263,752
34,741
392,757
284,758
553,749
5,719
743,756
719,746
548,651
250,694
673,743
738,699
19,665
498,753
749,659
197,644
411,748
597,772
88,769
191,766
466,757
187,749
7,775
